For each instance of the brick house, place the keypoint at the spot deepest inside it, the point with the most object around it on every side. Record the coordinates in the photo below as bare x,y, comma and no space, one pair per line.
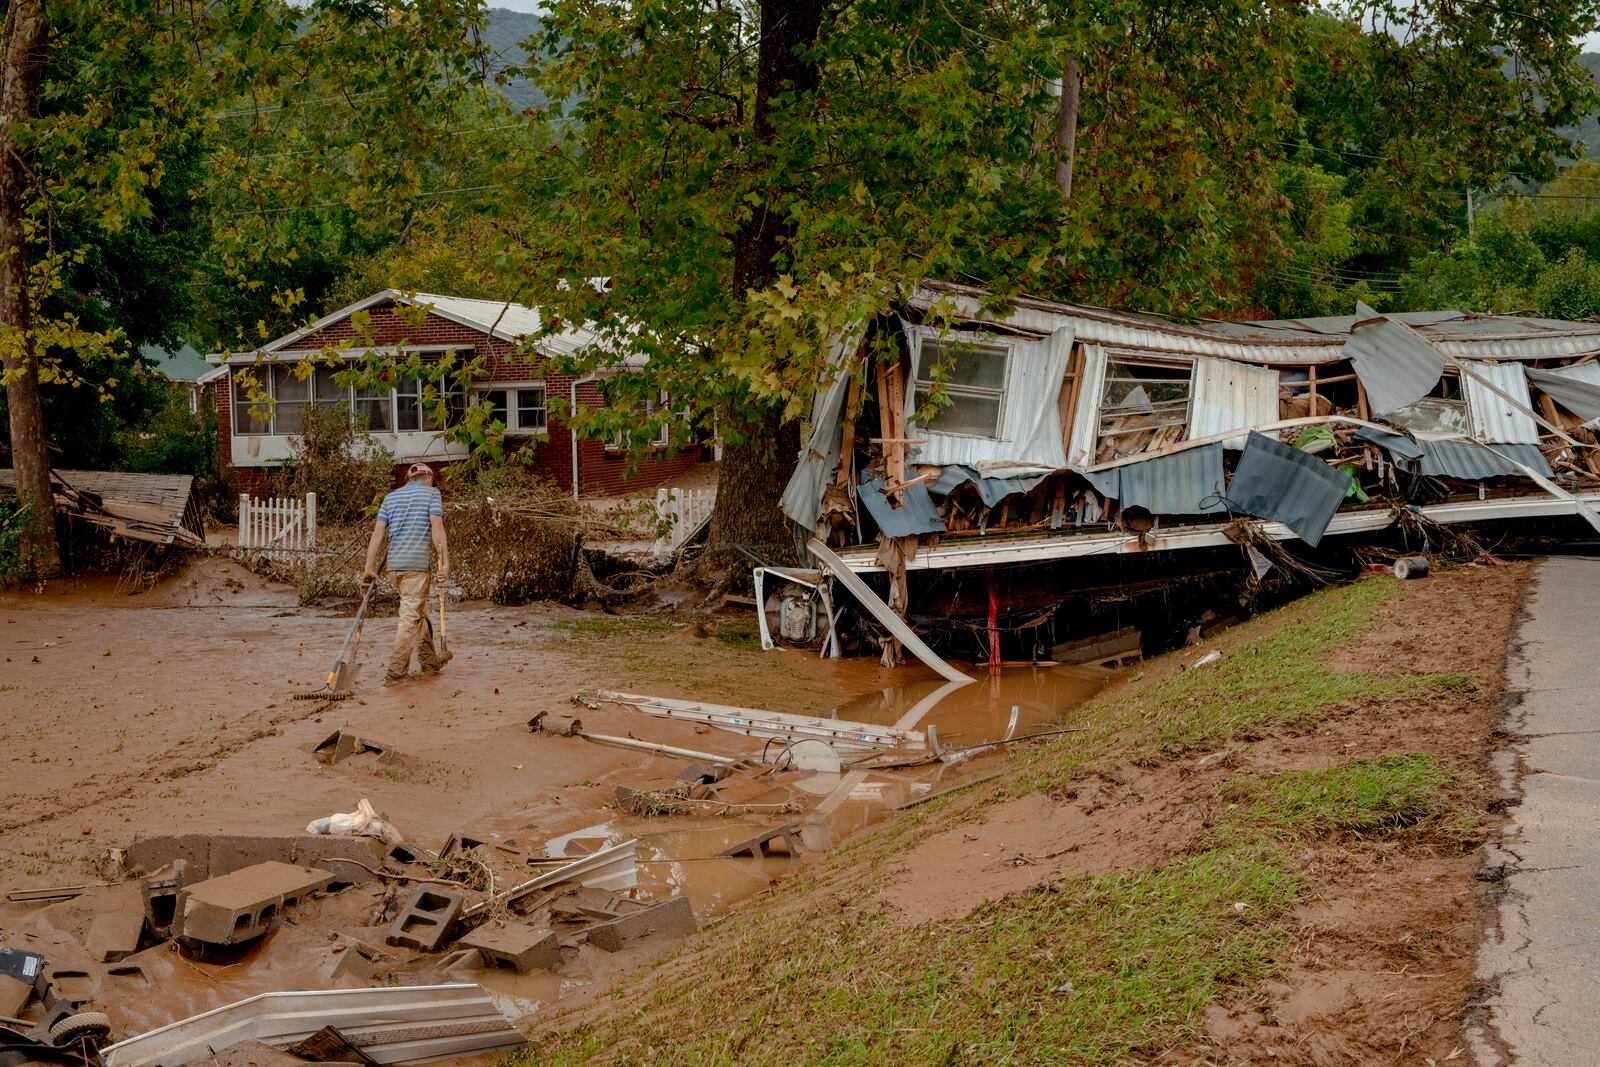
520,387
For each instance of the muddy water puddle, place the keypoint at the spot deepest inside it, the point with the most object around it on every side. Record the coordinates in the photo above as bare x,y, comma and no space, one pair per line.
1008,703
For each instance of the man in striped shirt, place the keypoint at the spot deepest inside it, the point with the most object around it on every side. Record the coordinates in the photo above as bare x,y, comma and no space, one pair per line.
413,518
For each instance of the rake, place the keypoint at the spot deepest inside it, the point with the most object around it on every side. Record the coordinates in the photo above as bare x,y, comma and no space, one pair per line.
341,681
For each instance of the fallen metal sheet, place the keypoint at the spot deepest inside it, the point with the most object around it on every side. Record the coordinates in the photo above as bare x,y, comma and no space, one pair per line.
754,722
1575,388
882,612
917,513
1396,367
1399,446
1455,457
1275,481
610,868
1583,510
1189,482
393,1024
990,490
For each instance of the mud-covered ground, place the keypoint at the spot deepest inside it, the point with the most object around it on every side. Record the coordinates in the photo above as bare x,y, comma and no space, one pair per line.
171,711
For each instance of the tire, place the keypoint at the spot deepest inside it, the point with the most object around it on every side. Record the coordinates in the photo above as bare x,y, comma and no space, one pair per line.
92,1025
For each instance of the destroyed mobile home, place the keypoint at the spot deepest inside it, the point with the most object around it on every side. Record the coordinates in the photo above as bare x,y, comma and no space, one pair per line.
1066,448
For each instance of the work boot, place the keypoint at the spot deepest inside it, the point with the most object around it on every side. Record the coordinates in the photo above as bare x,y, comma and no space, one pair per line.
391,678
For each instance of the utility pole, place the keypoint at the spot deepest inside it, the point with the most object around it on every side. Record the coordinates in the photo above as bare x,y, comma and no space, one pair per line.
1472,231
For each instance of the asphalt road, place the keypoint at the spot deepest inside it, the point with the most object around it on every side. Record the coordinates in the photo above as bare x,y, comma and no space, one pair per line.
1539,966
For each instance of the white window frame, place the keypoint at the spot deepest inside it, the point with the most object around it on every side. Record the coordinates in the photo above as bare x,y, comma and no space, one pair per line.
268,372
955,391
513,391
663,433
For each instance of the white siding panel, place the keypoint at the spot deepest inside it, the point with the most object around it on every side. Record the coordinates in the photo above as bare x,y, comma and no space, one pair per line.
1494,419
1231,396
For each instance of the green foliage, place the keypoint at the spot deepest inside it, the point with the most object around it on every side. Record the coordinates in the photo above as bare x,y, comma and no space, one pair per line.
344,466
172,439
1570,288
13,520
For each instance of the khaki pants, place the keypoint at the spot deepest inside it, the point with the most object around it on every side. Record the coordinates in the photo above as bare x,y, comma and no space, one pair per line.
415,631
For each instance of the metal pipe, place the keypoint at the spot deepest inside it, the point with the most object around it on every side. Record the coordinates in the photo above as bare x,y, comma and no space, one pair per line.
665,750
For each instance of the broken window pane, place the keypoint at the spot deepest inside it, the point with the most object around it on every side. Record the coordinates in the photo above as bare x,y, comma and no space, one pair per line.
1432,415
1141,396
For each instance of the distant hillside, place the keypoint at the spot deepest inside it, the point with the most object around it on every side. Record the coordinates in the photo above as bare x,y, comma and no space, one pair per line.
505,35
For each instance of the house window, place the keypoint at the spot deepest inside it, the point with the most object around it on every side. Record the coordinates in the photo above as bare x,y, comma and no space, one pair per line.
521,409
663,434
532,414
1140,397
291,395
249,416
375,410
416,403
1443,410
973,382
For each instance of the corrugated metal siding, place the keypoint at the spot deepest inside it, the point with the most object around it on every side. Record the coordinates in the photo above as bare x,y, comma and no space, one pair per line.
1494,419
1274,481
1231,396
819,457
1030,414
1471,462
1396,367
1575,388
1189,482
917,513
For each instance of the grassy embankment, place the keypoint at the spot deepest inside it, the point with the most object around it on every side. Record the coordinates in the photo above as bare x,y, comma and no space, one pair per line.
1086,970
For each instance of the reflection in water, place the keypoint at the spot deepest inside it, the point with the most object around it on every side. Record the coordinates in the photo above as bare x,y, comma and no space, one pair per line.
981,711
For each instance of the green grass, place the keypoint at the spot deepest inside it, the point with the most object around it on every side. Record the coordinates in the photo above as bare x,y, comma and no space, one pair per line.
1097,970
616,626
1277,680
1359,797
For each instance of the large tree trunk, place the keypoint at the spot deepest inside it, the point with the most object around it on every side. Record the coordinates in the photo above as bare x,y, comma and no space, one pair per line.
19,101
755,470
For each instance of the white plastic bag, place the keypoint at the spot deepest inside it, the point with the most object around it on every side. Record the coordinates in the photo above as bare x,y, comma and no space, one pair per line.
363,822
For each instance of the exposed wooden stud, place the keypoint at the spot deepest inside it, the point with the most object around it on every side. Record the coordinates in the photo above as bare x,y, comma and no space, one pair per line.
847,441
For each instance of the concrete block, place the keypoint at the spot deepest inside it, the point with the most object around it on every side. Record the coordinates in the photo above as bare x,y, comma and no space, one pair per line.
235,852
114,935
427,915
698,773
762,844
669,918
155,851
160,891
515,946
239,907
326,850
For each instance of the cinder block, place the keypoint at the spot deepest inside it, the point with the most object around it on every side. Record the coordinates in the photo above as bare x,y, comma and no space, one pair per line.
698,773
326,850
239,907
235,852
761,844
160,850
160,890
515,946
427,915
669,918
114,935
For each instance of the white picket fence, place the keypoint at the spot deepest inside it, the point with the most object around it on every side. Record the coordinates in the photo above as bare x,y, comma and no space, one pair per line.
686,510
279,528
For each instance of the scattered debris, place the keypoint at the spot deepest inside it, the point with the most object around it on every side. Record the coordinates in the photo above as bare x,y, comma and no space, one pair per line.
19,972
1411,567
1204,661
936,794
239,907
363,822
611,868
342,744
669,918
390,1024
427,917
328,1045
115,935
761,844
515,946
852,736
61,892
158,508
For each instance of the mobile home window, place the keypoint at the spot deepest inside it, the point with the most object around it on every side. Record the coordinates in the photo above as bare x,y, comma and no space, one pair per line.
974,383
1143,396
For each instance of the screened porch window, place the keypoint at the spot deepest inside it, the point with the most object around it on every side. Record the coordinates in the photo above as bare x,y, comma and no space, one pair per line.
973,382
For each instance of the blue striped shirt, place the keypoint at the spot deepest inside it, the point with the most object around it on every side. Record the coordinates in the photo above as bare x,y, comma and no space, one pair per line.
407,511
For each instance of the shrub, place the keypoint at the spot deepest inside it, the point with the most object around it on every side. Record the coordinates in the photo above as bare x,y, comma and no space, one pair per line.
1570,287
513,538
344,466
